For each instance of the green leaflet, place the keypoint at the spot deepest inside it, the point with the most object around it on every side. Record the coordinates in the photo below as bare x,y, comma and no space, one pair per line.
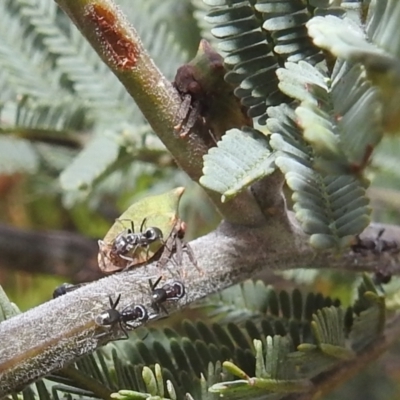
329,331
273,375
249,55
256,38
7,309
17,155
241,158
62,87
330,208
91,162
346,40
339,117
75,60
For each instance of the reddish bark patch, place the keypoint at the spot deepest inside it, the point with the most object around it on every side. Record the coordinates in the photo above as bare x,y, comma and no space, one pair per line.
121,50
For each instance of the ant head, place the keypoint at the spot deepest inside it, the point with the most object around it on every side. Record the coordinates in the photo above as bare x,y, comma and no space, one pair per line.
153,233
109,317
61,290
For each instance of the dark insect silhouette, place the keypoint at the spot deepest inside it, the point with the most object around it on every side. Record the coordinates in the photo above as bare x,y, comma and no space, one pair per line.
112,317
172,291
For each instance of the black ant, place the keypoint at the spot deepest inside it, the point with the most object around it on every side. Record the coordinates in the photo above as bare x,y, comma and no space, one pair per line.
113,317
65,288
128,240
173,291
376,246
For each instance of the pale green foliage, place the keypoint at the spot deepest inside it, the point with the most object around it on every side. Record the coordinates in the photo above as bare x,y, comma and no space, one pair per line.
55,88
337,109
228,174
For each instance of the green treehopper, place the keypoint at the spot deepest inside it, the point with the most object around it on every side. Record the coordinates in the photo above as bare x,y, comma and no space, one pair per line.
140,234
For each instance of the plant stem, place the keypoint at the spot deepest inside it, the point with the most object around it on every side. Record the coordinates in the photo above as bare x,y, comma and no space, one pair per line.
120,47
56,333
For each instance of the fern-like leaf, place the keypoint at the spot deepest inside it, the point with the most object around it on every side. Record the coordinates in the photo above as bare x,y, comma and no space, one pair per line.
346,40
191,360
241,158
340,118
250,56
330,208
370,315
328,326
257,39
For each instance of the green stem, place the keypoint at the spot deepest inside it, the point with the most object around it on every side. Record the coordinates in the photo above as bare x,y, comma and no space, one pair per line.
120,47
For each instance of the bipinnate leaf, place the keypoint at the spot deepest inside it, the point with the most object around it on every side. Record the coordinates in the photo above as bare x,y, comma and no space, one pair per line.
331,208
329,332
241,158
346,40
339,116
370,315
273,374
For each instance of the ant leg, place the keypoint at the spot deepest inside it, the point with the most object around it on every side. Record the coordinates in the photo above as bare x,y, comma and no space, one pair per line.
123,330
168,251
126,336
159,306
108,331
379,242
147,251
165,311
102,334
178,255
164,258
189,251
128,258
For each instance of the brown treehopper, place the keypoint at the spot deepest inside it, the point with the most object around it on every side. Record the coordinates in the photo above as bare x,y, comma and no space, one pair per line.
207,99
